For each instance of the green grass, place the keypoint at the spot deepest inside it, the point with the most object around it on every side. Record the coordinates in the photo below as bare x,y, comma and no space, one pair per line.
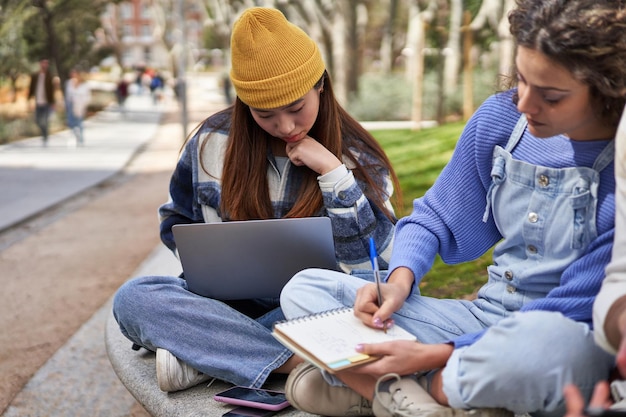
418,157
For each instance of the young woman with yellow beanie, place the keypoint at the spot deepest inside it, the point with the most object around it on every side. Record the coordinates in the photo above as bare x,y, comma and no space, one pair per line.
285,148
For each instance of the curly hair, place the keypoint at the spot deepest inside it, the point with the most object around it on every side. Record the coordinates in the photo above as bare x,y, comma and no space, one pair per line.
588,37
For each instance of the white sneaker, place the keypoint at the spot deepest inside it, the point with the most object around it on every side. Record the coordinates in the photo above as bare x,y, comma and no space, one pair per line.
174,374
397,396
307,391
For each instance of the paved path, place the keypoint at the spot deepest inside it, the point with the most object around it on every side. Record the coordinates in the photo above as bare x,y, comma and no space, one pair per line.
36,178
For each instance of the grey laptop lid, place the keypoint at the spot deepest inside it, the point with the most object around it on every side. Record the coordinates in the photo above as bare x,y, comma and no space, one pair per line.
254,258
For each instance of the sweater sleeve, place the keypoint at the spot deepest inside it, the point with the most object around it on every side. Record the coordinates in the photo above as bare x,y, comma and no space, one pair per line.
355,219
182,206
448,219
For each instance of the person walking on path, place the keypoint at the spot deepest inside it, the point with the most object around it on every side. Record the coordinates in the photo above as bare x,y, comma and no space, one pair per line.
77,99
121,94
285,148
532,174
156,87
42,90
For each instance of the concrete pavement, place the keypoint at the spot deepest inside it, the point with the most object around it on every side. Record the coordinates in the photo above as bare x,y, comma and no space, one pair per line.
36,178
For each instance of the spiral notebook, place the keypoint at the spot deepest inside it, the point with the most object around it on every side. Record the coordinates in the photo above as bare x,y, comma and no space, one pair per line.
328,339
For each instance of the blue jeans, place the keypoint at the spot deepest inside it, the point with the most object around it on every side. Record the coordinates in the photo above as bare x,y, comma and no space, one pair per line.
77,128
230,341
521,362
42,114
75,123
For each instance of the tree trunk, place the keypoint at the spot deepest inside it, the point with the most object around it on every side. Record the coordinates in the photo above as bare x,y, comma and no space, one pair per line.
48,21
468,69
13,78
507,44
415,67
353,52
386,43
452,56
339,53
488,15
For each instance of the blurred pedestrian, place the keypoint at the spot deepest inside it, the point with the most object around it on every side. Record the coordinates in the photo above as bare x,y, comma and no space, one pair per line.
121,93
77,98
156,87
42,89
226,87
179,89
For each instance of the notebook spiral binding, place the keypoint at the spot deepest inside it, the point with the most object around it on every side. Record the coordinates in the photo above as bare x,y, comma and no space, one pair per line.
309,317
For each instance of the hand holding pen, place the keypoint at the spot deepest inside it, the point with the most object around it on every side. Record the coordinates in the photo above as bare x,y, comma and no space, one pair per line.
376,269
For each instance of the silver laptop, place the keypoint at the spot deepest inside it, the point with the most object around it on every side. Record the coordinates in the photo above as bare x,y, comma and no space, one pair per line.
254,258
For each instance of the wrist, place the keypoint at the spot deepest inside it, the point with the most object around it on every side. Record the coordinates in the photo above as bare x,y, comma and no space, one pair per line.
402,277
333,172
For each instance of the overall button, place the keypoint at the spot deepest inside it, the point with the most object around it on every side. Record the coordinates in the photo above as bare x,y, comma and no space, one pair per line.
341,195
532,249
508,275
544,181
510,289
533,217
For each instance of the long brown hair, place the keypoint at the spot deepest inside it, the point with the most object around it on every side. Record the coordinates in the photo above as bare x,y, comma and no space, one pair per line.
245,193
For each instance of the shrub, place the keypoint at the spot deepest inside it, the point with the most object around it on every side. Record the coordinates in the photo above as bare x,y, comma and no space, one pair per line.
388,97
381,97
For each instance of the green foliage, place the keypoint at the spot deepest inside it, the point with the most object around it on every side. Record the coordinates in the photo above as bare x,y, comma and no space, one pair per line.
485,84
63,31
388,97
382,97
418,157
13,61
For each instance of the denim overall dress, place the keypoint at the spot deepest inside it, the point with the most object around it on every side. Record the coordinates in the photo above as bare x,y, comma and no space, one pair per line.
547,219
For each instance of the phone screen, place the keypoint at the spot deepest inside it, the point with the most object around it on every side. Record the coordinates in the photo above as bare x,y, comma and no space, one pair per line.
254,397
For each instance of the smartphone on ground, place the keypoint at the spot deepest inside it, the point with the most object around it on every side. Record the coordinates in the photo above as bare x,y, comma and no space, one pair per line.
248,412
253,397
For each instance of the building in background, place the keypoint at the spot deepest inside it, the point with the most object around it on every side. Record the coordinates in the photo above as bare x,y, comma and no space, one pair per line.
146,33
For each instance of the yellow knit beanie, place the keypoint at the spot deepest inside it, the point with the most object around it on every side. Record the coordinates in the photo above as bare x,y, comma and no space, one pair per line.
274,63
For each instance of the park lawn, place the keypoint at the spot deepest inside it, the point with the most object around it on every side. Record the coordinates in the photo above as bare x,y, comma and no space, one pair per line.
418,157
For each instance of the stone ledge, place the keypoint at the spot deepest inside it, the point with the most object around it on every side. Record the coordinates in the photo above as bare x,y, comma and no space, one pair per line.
137,371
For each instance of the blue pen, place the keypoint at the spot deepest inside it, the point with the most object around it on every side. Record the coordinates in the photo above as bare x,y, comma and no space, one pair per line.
374,259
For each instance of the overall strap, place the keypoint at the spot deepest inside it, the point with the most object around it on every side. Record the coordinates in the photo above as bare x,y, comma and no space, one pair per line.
515,136
517,133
